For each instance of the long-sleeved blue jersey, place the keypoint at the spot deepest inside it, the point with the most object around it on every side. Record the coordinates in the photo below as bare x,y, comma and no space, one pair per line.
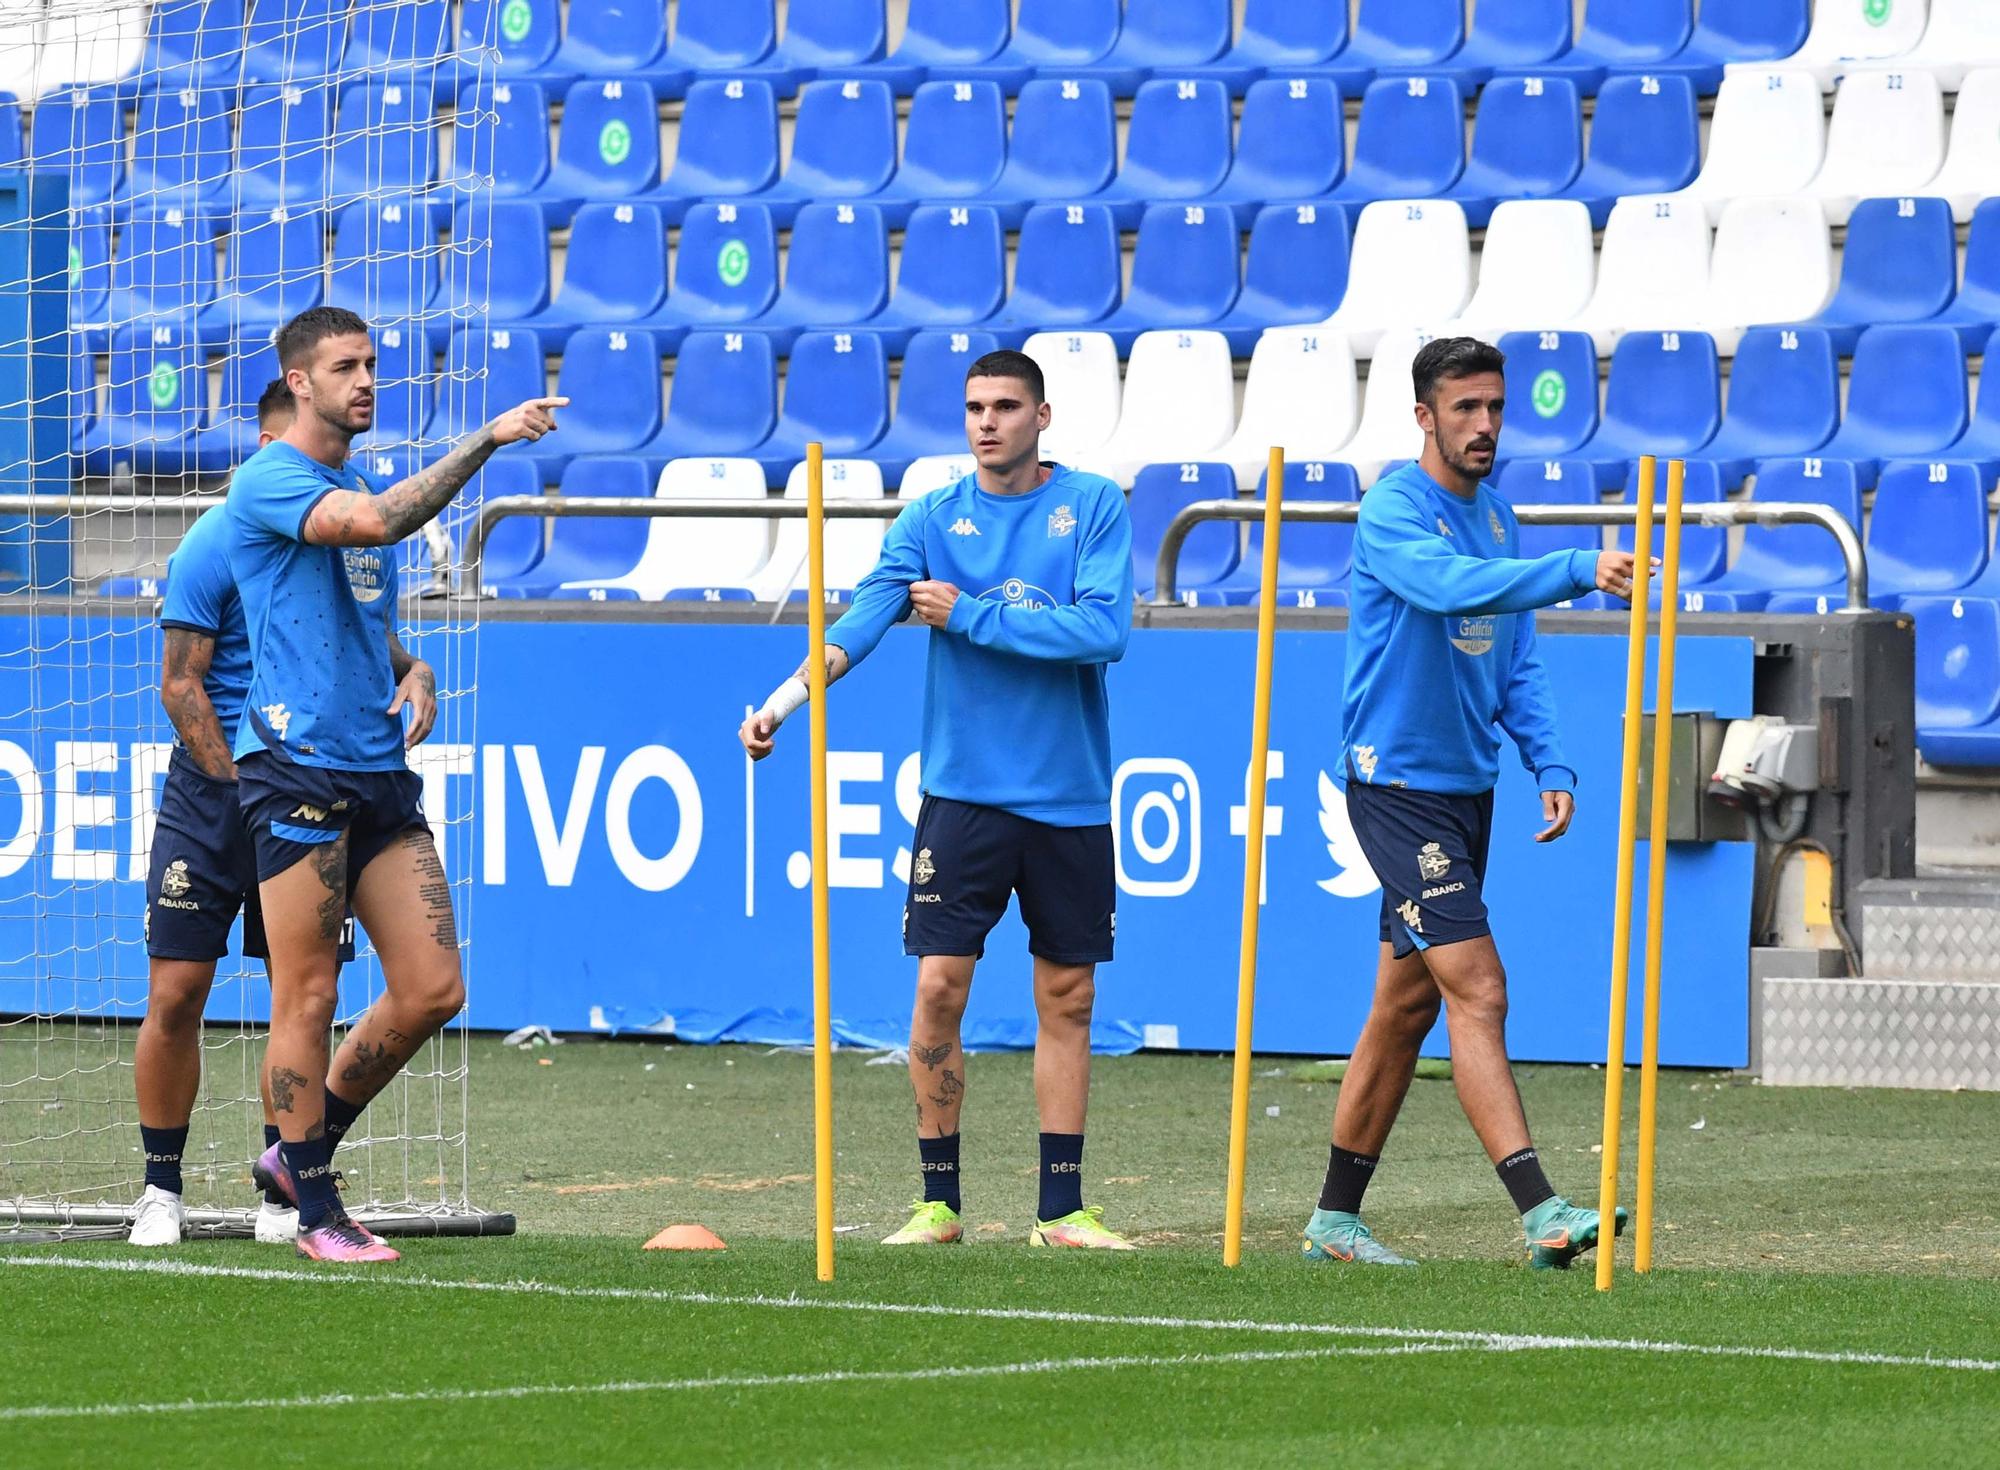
1015,710
1441,640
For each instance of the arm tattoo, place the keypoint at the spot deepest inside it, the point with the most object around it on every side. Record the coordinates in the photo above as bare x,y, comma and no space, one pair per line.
413,502
930,1056
284,1083
185,657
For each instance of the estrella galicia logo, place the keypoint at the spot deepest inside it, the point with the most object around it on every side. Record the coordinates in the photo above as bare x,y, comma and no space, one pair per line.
1016,593
367,572
1473,635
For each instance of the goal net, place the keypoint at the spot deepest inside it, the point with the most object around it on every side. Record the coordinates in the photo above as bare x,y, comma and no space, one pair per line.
177,179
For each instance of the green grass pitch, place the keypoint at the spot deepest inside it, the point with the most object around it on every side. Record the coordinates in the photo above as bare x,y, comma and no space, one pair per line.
1828,1289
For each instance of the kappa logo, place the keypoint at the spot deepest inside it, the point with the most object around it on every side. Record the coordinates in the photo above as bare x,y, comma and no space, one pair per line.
1364,761
963,527
1432,863
923,869
310,813
1061,521
174,882
278,718
1443,529
1411,915
1499,531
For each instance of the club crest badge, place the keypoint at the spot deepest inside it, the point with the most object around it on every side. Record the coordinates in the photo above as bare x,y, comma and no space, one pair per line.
1499,531
1432,863
1061,521
923,869
175,882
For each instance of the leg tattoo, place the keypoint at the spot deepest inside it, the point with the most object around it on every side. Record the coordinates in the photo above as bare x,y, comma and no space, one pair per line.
284,1084
329,862
433,888
930,1056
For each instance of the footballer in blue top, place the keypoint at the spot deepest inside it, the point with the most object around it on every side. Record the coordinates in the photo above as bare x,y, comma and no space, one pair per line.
331,803
1023,573
1440,650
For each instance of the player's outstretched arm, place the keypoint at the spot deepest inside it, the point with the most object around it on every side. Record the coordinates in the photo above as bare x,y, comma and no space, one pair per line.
759,731
349,518
186,655
416,686
1413,559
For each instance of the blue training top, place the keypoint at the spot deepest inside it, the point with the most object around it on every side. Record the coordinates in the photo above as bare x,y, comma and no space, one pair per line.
319,621
1441,640
201,597
1015,710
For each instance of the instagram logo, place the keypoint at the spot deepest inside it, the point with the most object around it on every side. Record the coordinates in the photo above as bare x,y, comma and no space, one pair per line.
1156,826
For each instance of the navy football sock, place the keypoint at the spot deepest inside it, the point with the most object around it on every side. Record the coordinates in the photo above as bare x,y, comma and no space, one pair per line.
272,1196
310,1161
340,1116
163,1148
939,1162
1347,1176
1062,1175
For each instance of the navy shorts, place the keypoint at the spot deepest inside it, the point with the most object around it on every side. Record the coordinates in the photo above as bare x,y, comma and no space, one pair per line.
969,860
1428,848
291,810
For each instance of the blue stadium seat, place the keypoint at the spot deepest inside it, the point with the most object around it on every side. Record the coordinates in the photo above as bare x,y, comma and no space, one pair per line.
724,401
1980,443
404,377
622,38
514,545
1159,493
1162,36
158,384
836,392
273,268
1645,138
1926,535
180,154
498,267
486,372
1280,37
383,142
1292,146
1177,147
1523,35
1664,398
1906,398
12,143
1736,30
725,272
502,134
229,436
722,35
1184,272
1527,144
163,266
1052,36
1313,559
953,273
1704,549
189,43
728,145
294,40
1623,36
843,147
1975,310
407,41
616,273
1900,265
1786,559
937,36
583,548
609,147
1551,482
81,136
526,34
930,404
821,38
1958,680
1294,273
1064,146
837,273
90,269
281,153
1397,35
385,261
1551,394
1067,271
1784,399
611,376
953,148
1410,145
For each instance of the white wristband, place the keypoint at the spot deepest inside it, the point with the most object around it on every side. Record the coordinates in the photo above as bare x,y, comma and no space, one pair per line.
787,697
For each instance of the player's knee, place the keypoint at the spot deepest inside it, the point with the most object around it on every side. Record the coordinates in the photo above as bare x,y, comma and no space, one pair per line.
1068,994
307,998
941,995
174,1002
1414,1013
443,998
1484,1001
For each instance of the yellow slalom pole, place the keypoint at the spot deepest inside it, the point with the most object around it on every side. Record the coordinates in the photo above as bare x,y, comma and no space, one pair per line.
822,958
1253,864
1656,871
1621,913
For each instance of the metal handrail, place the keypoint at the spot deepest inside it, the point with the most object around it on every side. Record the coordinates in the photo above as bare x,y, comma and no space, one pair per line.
1343,512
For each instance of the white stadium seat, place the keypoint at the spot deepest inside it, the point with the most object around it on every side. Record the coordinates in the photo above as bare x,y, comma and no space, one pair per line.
20,47
934,472
852,547
1180,404
86,47
1411,267
1388,433
707,552
1971,169
1536,270
1772,262
1848,31
1768,136
1301,396
1962,36
1886,138
1080,376
1653,274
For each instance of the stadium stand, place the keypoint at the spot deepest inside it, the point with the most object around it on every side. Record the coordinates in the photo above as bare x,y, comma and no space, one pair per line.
1410,143
1958,679
1663,397
612,378
1279,39
1784,399
1783,559
845,147
1290,145
1900,265
153,405
498,367
1538,267
1645,138
1526,144
617,272
952,272
1183,272
1388,430
1623,35
230,435
937,35
930,401
1159,493
1975,310
1397,36
180,154
1926,535
1772,261
1064,146
1973,162
823,36
1768,136
1843,35
1313,559
621,38
1980,443
954,146
852,547
1301,395
1906,398
272,269
702,558
1179,404
1177,147
525,46
1887,136
1412,263
837,392
293,40
1294,273
725,270
1744,31
1518,37
728,146
1551,482
836,273
1080,373
1551,394
608,147
1652,274
1067,270
586,554
724,399
723,36
1160,35
1959,35
1057,36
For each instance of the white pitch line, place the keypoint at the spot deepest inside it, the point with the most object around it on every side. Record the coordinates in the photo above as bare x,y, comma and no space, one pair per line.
1500,1340
756,1380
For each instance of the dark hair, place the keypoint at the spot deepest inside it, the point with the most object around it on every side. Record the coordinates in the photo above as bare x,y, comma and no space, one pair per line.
276,399
1453,357
297,337
1009,364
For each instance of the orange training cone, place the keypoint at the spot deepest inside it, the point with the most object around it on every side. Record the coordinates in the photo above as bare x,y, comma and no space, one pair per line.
686,1238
